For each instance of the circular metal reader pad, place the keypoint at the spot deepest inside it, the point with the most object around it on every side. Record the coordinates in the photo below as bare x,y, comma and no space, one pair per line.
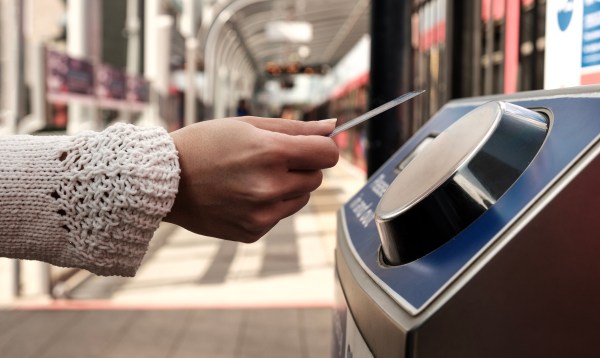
456,178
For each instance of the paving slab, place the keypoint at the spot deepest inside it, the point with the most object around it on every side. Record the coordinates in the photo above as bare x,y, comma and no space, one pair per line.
197,296
232,333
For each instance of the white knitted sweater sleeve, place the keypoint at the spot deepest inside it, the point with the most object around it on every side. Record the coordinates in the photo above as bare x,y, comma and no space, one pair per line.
90,201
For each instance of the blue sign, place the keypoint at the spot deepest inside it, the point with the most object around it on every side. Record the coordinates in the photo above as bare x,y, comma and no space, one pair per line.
565,14
590,49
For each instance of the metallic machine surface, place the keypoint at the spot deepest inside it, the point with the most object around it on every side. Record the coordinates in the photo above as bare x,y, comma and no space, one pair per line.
459,176
519,278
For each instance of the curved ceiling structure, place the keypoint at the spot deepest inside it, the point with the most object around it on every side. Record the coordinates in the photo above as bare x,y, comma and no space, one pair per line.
240,27
337,25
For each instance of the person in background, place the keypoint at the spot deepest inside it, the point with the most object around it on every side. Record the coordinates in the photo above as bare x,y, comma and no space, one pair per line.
93,200
243,108
288,112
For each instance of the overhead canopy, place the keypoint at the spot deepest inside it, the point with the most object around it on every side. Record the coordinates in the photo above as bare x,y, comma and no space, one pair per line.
240,39
335,25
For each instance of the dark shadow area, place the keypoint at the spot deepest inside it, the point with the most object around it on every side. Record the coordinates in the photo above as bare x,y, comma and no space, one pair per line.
103,287
221,263
281,250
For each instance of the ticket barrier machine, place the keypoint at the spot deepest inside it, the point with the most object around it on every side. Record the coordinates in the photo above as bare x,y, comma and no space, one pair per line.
480,237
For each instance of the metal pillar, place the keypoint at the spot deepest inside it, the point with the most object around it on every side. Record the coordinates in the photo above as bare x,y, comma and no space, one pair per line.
390,66
157,53
36,120
189,27
210,45
19,47
164,26
11,106
133,27
83,41
152,9
191,48
464,46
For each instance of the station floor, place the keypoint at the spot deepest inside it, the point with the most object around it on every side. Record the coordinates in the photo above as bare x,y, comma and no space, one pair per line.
196,296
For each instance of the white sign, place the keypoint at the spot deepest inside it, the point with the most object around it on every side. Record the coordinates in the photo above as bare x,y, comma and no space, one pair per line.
572,43
564,21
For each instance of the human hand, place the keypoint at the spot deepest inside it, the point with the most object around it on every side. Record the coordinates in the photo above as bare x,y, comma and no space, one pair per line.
240,176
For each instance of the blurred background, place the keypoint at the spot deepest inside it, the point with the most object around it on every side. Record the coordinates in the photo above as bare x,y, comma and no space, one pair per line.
73,65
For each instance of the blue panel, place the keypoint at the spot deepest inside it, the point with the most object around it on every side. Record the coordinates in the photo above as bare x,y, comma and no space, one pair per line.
576,124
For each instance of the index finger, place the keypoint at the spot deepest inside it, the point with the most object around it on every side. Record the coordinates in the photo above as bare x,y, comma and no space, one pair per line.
291,127
310,152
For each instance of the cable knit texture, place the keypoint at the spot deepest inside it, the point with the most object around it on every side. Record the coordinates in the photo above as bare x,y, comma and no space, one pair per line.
90,201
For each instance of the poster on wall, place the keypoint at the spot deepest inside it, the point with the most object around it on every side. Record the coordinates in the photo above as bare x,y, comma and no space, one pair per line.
111,86
68,78
99,85
572,43
590,46
138,92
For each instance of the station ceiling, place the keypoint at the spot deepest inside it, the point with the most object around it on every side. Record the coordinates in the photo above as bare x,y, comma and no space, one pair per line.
337,25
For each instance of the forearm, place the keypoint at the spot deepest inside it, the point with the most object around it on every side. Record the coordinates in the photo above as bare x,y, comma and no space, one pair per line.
90,201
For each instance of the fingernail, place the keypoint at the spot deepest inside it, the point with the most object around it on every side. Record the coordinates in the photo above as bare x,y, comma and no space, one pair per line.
329,120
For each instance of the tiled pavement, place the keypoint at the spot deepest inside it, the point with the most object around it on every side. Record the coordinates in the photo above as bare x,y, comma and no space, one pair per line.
201,297
266,332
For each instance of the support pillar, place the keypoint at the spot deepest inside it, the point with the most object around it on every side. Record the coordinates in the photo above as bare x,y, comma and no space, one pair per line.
11,111
157,52
191,48
390,77
189,27
12,76
83,41
164,26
